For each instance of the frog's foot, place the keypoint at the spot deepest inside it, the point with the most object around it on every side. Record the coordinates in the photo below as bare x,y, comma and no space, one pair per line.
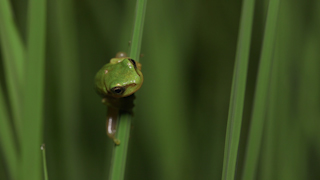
116,141
139,66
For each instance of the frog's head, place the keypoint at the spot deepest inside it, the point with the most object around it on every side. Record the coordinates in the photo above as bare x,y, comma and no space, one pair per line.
119,78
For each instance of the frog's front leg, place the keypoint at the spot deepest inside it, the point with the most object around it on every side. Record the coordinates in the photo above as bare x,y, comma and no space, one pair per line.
111,124
114,105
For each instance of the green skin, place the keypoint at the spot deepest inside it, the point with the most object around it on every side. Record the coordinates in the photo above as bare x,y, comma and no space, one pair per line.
116,82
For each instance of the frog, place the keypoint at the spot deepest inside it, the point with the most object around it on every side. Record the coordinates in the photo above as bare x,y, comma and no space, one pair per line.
116,82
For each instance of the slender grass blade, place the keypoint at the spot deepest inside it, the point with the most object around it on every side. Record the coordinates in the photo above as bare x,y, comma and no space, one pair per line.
68,79
13,56
238,91
44,162
260,99
7,139
34,91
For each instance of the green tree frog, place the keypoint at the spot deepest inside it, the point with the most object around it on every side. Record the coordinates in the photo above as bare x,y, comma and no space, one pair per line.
116,82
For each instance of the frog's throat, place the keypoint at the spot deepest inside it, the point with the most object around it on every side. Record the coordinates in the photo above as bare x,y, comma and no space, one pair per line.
123,104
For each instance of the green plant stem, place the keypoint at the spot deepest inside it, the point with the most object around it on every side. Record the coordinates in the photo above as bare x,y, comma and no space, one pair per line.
117,170
14,53
238,92
119,154
138,30
262,88
34,91
44,161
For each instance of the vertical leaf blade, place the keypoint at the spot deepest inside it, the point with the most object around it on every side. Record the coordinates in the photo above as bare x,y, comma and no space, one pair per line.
7,139
14,54
260,98
68,78
238,91
34,91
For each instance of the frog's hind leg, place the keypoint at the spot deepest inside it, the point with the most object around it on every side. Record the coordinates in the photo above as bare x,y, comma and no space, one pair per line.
111,124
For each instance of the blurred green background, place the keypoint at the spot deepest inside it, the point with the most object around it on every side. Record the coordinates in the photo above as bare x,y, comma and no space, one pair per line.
181,111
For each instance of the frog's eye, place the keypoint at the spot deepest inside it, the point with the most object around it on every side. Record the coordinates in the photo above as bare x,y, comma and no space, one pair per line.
118,90
133,63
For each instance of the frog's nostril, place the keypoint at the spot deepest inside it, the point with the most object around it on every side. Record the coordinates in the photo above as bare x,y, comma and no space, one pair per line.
118,90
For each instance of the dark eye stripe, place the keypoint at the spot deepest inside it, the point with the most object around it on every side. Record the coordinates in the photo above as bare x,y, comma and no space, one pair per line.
134,63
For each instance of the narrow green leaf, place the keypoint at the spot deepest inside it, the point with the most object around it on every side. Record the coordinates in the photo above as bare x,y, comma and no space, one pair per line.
238,91
7,139
117,170
33,92
14,54
68,78
261,94
11,42
268,156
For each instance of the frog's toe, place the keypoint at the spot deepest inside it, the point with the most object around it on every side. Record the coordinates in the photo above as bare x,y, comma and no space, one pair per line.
104,100
116,141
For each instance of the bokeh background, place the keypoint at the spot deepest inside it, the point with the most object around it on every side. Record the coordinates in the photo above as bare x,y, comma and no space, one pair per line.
188,53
